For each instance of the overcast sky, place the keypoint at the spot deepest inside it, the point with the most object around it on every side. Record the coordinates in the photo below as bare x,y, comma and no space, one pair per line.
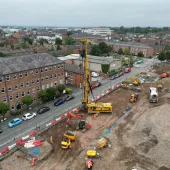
80,13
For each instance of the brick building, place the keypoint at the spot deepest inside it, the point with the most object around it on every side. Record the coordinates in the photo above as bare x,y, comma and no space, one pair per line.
151,41
74,75
26,75
135,48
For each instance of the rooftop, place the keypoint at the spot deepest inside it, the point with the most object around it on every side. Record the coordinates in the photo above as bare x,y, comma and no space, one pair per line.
73,68
85,35
26,62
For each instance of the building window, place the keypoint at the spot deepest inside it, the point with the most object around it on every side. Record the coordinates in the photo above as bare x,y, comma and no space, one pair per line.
10,97
46,77
34,98
42,79
55,83
62,73
21,85
58,74
12,107
46,69
7,77
17,96
68,73
32,81
42,70
15,76
4,99
33,90
71,74
58,66
38,88
31,72
9,88
51,76
23,94
1,79
36,71
38,80
55,75
27,83
54,67
3,90
16,86
50,68
62,65
28,92
20,75
26,73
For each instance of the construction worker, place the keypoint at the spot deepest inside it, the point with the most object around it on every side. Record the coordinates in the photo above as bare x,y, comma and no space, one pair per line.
51,140
89,164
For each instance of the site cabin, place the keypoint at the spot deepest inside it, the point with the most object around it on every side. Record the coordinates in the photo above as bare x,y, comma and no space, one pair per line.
99,108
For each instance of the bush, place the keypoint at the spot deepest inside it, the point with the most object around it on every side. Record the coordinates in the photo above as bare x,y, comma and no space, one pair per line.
69,90
117,71
125,82
105,68
15,113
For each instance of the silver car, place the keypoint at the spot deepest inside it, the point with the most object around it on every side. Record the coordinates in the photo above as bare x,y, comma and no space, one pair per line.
28,116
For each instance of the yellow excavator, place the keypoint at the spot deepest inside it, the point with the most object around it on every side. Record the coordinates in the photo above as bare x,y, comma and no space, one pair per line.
134,98
91,107
65,143
136,82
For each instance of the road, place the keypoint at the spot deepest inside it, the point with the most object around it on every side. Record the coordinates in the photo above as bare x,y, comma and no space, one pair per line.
27,126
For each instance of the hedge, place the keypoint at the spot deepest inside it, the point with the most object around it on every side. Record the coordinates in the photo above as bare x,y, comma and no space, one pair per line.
105,68
117,71
68,90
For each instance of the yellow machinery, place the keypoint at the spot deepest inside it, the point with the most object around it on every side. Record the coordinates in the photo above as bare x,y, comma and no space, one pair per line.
70,135
136,82
91,107
65,143
102,142
92,153
160,87
134,97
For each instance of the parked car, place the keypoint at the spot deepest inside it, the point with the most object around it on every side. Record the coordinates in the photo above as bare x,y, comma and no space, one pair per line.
69,97
113,77
43,110
127,70
14,122
97,84
28,116
117,75
94,74
59,102
121,73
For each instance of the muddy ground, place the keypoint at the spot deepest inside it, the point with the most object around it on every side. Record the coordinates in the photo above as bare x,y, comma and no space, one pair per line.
141,141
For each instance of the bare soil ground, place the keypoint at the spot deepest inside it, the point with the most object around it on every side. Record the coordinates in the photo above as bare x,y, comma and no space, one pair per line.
141,141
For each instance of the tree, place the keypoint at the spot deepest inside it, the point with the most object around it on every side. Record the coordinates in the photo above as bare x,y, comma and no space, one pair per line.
69,33
60,88
42,41
126,51
120,51
42,95
167,55
58,41
95,50
105,48
28,40
2,54
131,61
69,41
162,56
140,54
51,92
58,47
156,43
28,100
4,107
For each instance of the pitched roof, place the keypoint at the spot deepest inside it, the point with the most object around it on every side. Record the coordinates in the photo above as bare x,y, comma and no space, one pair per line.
73,68
26,62
85,35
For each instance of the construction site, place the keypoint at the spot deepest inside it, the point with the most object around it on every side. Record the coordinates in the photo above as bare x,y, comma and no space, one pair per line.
130,133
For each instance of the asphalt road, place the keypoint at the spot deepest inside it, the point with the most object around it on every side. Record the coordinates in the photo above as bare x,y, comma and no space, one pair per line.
27,126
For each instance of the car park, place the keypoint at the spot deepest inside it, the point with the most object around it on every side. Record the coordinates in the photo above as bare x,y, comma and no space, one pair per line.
69,97
28,116
14,122
43,110
59,102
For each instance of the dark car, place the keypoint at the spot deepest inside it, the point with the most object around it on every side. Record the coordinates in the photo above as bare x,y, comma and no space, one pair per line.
43,110
117,75
59,102
113,77
69,97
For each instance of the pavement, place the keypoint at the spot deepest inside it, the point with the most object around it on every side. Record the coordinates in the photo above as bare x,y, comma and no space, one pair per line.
10,135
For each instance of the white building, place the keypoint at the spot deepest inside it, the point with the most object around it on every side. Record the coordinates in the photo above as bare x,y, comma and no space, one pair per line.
98,31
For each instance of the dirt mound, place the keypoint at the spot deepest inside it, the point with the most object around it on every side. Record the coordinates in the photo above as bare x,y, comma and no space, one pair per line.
162,69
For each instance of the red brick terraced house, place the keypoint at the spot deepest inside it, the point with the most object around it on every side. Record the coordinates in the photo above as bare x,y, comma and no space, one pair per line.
26,75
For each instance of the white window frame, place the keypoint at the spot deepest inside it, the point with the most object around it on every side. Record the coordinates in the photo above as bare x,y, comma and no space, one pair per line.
20,74
42,70
31,72
42,79
50,68
46,77
38,80
3,89
54,67
36,71
4,101
12,107
1,79
46,69
26,73
7,77
55,76
33,90
22,84
38,88
59,74
28,92
27,83
14,76
23,93
11,98
51,76
9,88
32,81
16,86
17,95
58,66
